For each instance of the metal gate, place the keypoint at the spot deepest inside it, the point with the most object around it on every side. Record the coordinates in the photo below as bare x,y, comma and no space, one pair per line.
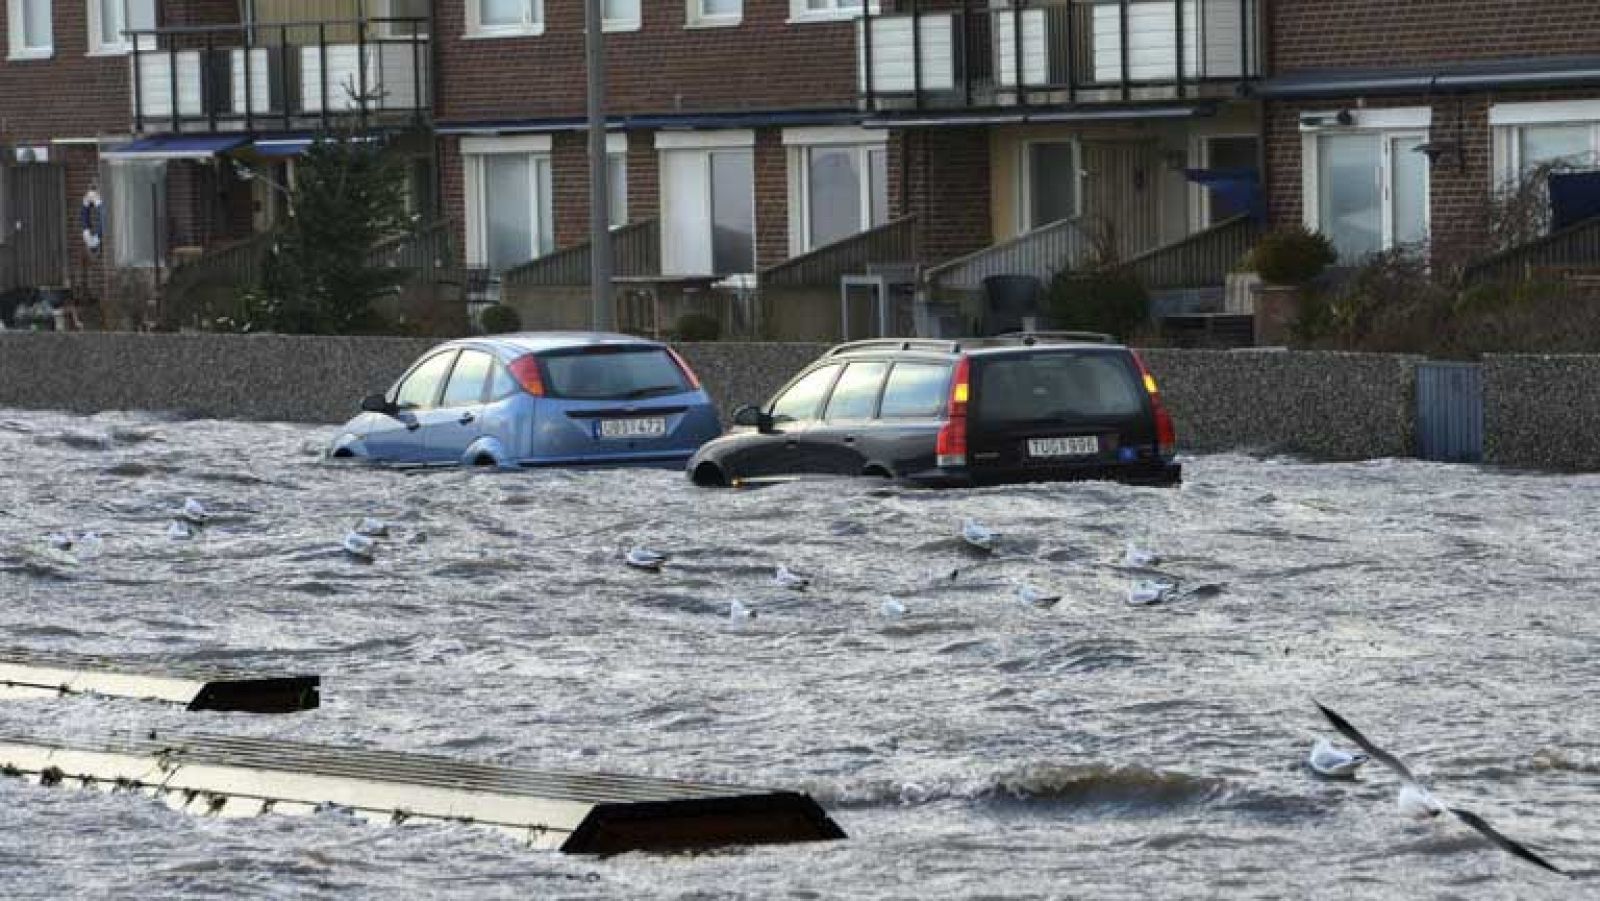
33,234
1450,412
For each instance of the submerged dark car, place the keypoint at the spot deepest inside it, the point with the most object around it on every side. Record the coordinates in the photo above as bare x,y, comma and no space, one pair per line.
1015,408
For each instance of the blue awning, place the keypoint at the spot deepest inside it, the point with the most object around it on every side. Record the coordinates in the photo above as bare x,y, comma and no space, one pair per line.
280,147
175,147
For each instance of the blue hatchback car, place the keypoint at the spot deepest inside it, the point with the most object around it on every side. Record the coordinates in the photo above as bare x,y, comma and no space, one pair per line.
537,399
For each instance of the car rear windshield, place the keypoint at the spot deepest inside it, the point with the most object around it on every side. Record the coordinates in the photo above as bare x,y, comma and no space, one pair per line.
630,373
1056,385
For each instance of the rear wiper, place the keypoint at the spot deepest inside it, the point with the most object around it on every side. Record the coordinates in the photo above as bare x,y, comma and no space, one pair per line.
652,390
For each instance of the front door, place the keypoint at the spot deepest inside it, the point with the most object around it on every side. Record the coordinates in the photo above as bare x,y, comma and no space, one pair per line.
1122,193
454,426
784,450
402,438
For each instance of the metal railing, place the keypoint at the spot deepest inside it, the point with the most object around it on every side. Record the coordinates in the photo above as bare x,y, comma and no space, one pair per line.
894,243
1040,253
1575,245
1204,258
282,75
635,250
1054,51
424,255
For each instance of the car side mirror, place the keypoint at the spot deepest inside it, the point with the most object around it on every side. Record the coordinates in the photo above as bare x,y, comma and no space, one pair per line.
378,403
751,416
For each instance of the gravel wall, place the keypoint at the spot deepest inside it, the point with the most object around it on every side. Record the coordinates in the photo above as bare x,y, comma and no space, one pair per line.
1338,406
1539,412
1329,405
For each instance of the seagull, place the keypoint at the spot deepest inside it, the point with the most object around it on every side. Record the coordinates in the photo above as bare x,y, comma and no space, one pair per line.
1326,760
788,578
1036,598
1417,802
89,545
893,608
194,512
360,546
180,530
1148,592
644,558
738,611
1138,557
978,535
61,541
372,528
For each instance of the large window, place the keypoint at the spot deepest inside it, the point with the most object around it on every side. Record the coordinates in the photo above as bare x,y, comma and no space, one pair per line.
1050,183
31,33
1366,186
509,207
839,185
420,389
465,388
800,402
109,19
1234,156
825,9
620,15
708,203
714,13
856,395
138,211
490,18
915,391
617,179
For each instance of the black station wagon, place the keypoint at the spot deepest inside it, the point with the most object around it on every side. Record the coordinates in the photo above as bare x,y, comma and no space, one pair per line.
1014,408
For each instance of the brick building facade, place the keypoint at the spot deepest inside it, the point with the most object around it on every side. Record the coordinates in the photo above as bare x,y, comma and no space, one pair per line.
1485,89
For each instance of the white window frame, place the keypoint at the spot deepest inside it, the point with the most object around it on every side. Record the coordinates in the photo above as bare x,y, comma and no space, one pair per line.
705,143
799,143
1387,125
122,46
473,149
1024,203
800,12
617,149
1506,121
16,49
532,24
628,23
694,16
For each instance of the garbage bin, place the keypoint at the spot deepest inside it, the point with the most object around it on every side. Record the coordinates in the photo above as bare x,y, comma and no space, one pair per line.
1009,298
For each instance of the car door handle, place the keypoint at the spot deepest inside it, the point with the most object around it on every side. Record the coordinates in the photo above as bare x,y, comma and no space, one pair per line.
849,439
791,444
467,417
413,425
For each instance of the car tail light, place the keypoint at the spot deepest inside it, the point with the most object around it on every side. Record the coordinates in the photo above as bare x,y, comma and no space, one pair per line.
525,370
694,380
1166,435
952,444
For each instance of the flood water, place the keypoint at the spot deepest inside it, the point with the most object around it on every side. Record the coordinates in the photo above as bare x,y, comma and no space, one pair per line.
973,747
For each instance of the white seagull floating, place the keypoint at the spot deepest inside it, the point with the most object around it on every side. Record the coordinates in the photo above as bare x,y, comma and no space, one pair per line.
194,511
892,608
360,546
978,535
1416,801
739,611
1037,598
1326,760
644,558
1138,557
372,528
1149,592
788,578
180,530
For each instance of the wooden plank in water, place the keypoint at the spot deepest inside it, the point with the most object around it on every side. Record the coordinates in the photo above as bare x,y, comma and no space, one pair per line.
29,674
219,775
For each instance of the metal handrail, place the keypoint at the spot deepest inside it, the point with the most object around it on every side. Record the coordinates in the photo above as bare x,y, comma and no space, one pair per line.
1577,244
1042,253
1203,258
635,249
893,242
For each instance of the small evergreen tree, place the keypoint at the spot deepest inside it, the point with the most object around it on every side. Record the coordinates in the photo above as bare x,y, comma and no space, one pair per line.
348,195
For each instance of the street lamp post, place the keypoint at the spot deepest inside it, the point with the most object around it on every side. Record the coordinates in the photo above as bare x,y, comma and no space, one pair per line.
604,313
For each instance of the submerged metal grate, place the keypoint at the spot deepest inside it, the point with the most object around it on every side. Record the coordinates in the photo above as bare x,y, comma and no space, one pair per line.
31,674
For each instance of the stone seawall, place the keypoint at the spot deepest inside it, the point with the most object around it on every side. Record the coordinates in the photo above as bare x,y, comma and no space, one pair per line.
1327,405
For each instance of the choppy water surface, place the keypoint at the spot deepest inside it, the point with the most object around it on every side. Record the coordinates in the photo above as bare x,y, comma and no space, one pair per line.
972,748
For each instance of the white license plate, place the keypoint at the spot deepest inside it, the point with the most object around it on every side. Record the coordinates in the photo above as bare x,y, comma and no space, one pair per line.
647,427
1076,446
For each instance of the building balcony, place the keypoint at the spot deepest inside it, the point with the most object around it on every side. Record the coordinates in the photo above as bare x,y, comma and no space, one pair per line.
1054,53
281,76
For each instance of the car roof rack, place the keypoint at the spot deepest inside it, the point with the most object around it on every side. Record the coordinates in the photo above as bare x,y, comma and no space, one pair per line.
871,344
1030,337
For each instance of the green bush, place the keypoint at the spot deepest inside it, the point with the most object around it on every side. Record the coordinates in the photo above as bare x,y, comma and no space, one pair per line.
1105,300
1292,256
698,327
500,319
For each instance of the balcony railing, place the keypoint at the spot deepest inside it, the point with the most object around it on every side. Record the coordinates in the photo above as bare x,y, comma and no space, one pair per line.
282,75
1054,52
